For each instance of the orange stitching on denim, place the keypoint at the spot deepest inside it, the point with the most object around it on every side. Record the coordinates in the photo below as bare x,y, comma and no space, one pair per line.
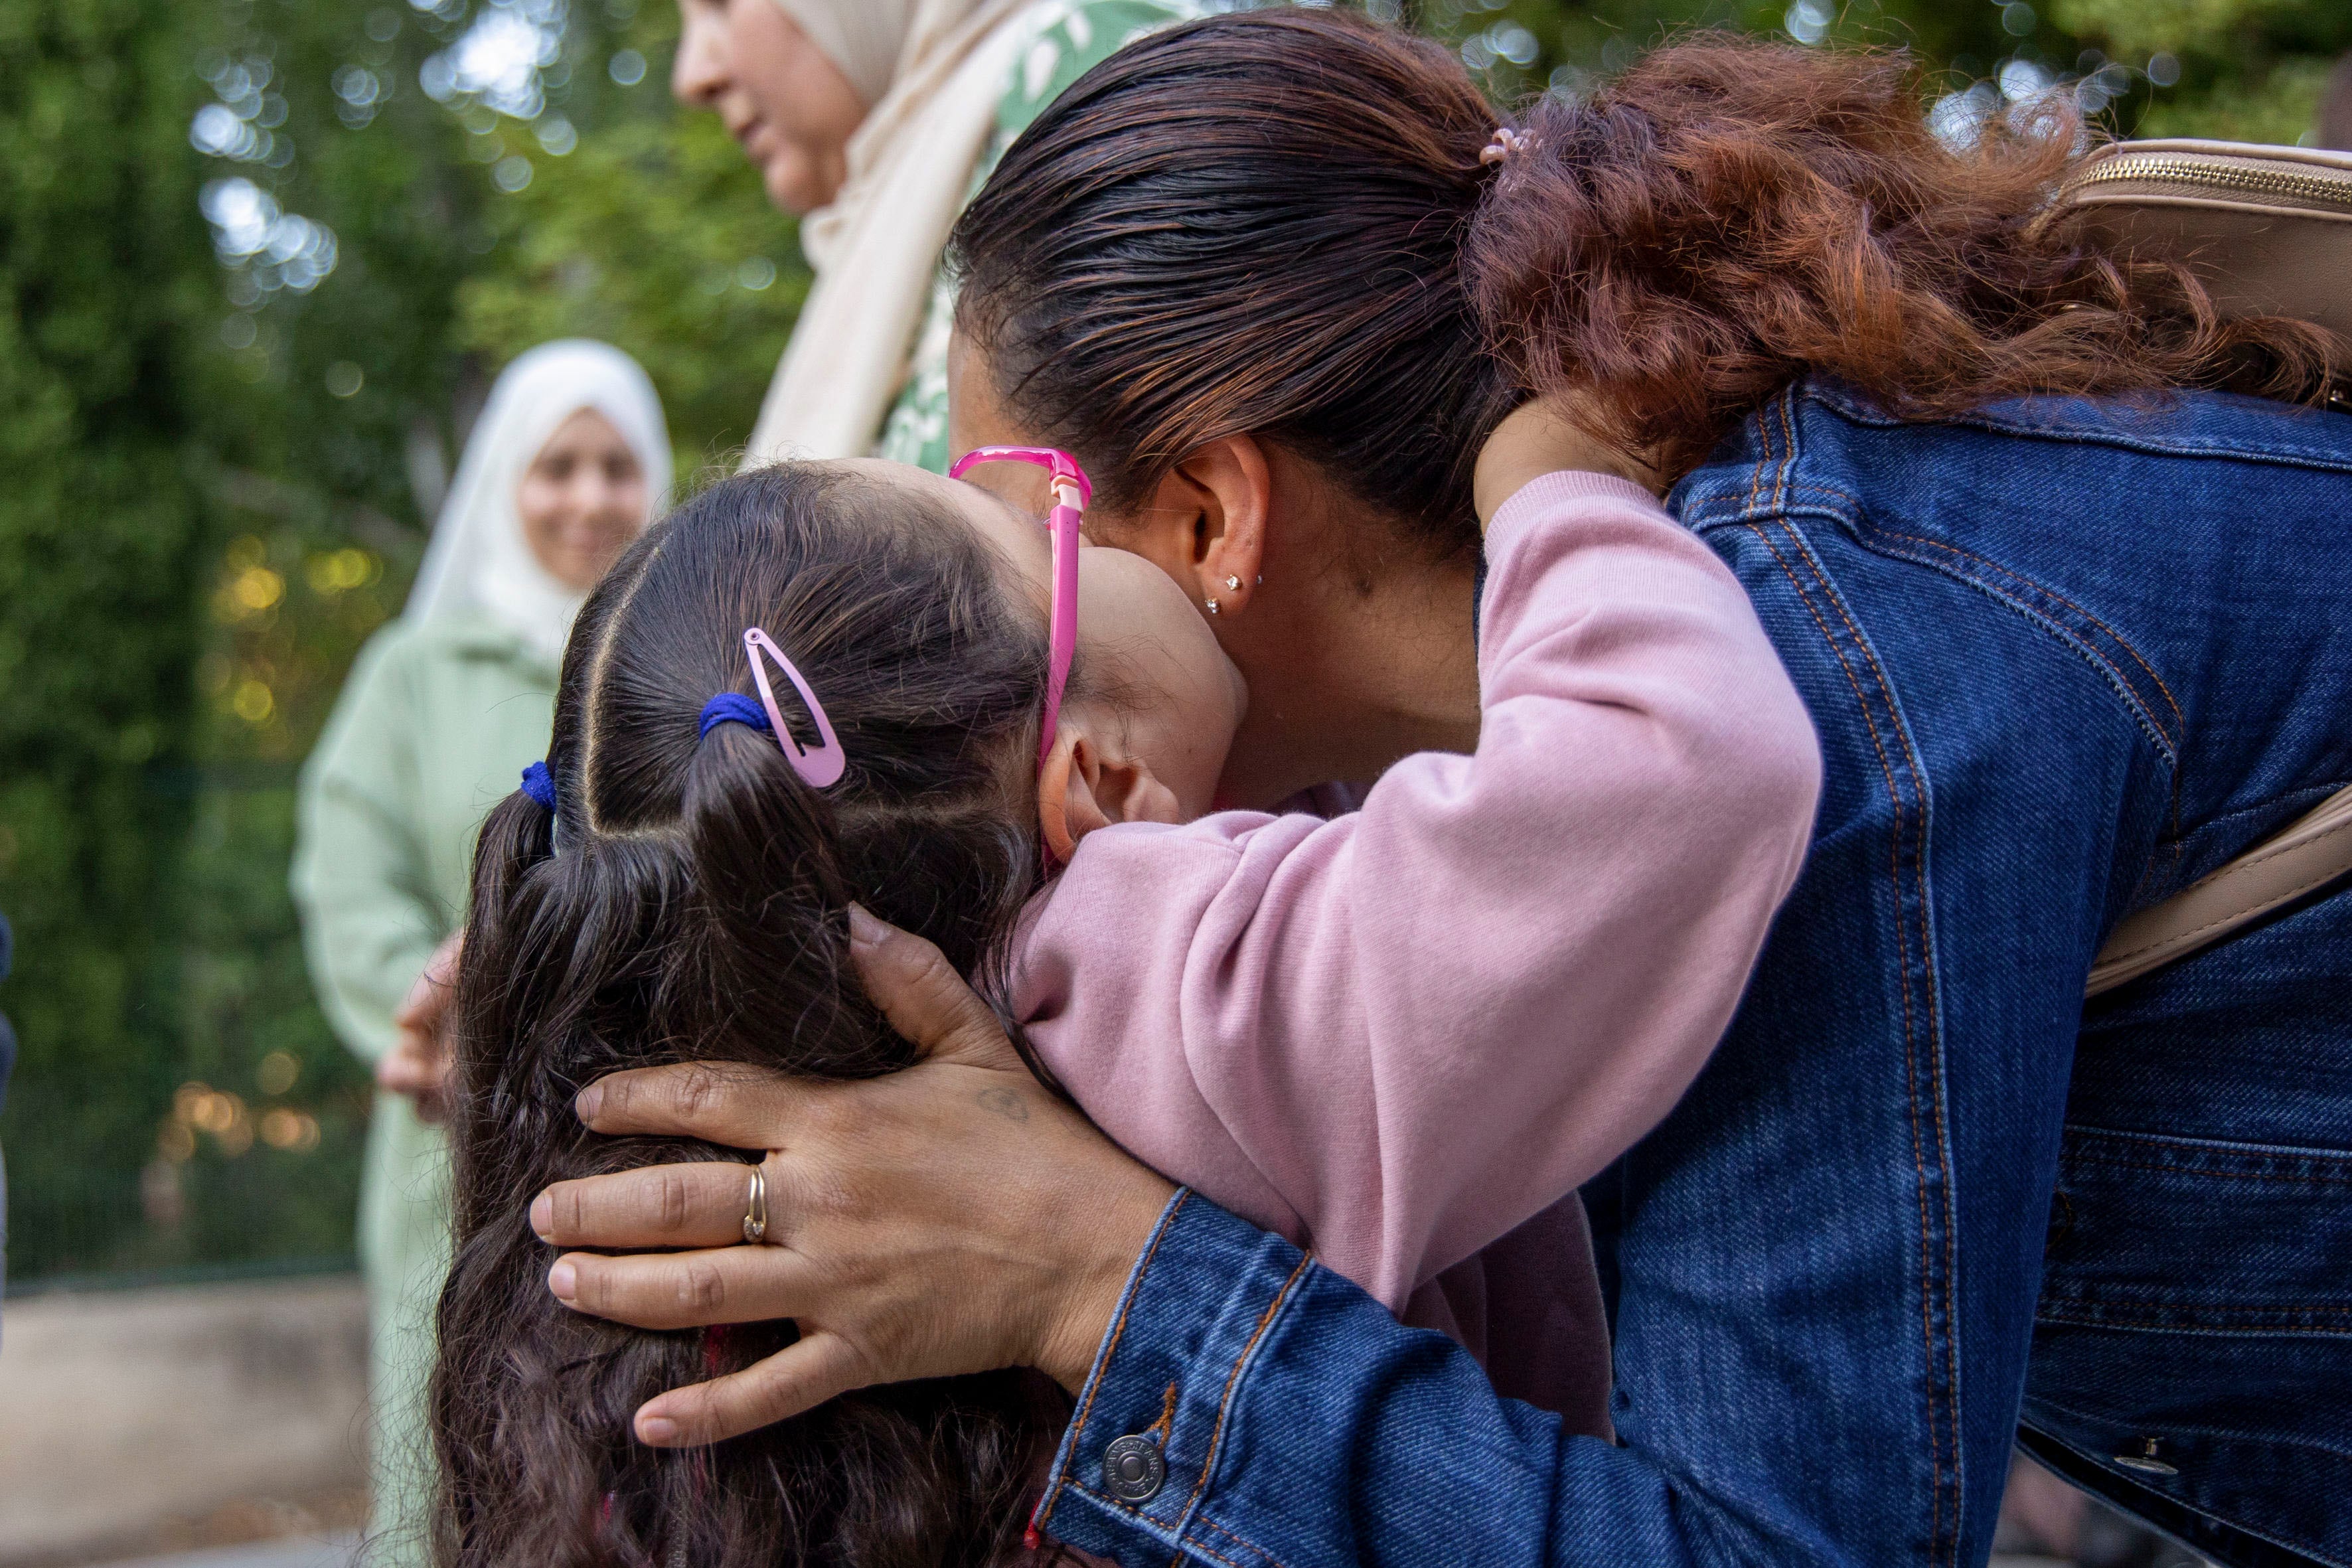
1241,1541
1178,1560
1116,1505
1940,1138
1910,1039
1944,1132
1166,1426
1225,1399
1110,1349
2136,698
2180,720
1763,459
1928,962
1788,456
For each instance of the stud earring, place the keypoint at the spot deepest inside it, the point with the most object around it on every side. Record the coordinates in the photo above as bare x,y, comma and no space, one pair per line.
1212,605
1235,584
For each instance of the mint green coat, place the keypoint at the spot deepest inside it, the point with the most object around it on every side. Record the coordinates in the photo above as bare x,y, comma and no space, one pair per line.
432,727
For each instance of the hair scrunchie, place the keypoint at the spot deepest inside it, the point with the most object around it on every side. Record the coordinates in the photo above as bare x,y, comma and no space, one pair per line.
733,708
539,784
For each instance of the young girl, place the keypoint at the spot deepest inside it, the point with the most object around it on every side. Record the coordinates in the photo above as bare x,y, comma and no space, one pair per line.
1388,1033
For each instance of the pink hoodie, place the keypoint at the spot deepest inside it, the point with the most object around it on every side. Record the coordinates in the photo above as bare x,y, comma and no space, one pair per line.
1406,1034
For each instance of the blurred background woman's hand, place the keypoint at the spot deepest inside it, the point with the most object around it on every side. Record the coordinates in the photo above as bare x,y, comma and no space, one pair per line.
417,1065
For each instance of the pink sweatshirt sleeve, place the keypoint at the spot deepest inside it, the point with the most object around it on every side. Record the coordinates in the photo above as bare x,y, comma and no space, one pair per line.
1399,1034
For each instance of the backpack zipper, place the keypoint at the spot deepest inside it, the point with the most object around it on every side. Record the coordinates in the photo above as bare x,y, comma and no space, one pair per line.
2328,191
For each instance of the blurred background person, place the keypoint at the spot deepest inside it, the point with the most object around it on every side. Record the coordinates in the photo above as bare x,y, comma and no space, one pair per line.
875,120
444,708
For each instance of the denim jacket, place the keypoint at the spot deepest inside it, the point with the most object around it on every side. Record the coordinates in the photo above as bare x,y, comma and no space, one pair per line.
2064,657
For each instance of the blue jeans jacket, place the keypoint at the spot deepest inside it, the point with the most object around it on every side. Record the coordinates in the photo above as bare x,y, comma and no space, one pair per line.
2064,657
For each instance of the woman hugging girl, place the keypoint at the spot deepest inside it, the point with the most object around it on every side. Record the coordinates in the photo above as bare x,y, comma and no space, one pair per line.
1390,1034
1410,1032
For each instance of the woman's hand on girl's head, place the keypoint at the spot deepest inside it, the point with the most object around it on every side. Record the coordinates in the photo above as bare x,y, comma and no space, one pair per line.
1541,438
952,1217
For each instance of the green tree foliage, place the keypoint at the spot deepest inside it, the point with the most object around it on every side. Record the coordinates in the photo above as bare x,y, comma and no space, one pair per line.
2236,69
2249,70
260,277
655,237
103,525
262,258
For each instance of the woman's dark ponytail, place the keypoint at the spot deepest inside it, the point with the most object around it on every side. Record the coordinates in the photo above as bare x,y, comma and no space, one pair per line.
1250,223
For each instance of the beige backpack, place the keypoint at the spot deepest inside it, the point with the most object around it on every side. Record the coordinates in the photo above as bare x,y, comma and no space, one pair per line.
2269,231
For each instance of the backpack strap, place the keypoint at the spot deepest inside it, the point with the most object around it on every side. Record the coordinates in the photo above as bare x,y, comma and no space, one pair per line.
2312,851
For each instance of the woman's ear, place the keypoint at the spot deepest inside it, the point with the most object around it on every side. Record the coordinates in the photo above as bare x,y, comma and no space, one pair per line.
1205,524
1085,785
1234,486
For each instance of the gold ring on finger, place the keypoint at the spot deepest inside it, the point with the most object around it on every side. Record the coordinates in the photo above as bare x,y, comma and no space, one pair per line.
755,1213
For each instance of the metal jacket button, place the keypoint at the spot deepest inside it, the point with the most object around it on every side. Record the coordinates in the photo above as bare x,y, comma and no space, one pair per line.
1133,1469
2145,1462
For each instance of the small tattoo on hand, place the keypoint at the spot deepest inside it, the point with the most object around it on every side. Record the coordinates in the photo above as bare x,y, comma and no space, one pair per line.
1006,1103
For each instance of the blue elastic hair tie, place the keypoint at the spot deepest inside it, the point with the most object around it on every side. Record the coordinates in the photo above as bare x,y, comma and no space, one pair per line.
734,708
539,784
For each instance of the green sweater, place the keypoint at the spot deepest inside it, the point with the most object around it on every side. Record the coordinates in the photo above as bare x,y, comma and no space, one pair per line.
435,724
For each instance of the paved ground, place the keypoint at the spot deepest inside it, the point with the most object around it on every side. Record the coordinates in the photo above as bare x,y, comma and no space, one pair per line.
138,1421
334,1551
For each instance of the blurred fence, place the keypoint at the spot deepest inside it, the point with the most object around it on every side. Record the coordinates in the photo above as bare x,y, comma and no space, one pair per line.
82,1217
240,1156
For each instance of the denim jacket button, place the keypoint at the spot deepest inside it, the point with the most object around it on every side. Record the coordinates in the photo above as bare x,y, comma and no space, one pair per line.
1133,1469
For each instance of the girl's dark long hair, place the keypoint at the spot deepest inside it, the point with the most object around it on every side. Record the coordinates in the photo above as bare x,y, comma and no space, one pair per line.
1279,223
686,901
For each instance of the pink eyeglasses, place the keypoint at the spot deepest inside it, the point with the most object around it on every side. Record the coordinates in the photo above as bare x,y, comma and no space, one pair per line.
1071,493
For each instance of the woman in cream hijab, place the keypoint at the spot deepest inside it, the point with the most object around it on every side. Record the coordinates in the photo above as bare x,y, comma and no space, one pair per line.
443,709
876,119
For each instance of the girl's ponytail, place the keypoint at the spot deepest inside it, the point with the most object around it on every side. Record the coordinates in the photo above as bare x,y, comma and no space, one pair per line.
764,860
1731,214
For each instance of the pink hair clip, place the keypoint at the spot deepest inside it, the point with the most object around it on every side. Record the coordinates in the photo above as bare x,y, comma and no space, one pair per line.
1506,144
821,766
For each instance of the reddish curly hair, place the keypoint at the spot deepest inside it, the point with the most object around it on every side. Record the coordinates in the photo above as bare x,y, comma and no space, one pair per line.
1279,221
1729,213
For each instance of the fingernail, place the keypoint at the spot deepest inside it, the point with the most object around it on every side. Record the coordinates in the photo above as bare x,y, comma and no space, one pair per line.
564,1282
542,1217
657,1429
864,930
588,1101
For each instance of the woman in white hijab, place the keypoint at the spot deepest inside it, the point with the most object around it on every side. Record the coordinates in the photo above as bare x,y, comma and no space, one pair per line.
876,120
443,709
